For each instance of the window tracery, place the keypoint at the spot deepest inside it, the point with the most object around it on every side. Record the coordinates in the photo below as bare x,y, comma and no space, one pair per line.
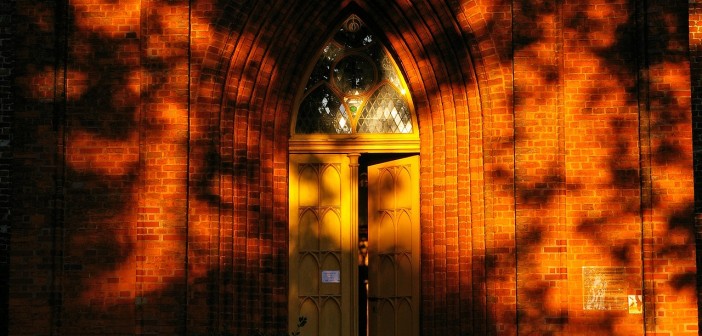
354,88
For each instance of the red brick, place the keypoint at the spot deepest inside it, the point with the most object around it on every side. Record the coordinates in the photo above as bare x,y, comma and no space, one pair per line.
149,161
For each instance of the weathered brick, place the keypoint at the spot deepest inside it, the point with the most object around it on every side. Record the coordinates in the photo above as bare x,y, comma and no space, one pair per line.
145,181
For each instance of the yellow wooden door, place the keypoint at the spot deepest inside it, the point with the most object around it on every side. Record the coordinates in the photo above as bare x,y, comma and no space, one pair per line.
321,254
393,248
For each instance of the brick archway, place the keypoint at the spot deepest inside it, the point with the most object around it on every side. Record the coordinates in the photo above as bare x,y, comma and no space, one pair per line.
250,72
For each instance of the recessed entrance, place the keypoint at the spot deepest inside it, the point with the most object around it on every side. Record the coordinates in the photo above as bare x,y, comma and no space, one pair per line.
354,243
354,192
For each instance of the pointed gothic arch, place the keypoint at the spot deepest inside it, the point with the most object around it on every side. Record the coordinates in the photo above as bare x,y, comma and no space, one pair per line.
355,97
246,96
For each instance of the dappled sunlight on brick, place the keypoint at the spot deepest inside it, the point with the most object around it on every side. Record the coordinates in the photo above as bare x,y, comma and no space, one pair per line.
146,182
101,156
113,18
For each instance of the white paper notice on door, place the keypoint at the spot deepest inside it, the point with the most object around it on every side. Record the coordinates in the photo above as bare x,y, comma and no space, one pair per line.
331,276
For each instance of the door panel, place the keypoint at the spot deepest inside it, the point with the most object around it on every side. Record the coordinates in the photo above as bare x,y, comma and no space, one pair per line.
393,248
320,240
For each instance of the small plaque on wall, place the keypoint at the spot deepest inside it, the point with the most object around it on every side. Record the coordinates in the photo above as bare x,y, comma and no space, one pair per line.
331,276
603,288
635,304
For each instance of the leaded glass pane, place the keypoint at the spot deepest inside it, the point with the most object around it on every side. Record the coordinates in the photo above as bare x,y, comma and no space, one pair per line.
354,34
389,72
354,75
322,112
386,112
322,69
354,105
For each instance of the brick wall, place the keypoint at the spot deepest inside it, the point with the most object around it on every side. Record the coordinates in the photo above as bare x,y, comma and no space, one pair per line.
6,72
540,153
149,162
695,23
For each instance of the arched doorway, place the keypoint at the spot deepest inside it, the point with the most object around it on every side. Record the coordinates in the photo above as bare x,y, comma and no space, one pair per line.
354,184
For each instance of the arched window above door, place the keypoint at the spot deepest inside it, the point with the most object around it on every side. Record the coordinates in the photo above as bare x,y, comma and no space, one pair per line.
355,95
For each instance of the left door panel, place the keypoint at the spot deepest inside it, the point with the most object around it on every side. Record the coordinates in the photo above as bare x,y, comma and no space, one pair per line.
321,263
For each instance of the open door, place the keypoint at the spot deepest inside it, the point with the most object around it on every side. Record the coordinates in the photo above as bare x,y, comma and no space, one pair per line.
393,248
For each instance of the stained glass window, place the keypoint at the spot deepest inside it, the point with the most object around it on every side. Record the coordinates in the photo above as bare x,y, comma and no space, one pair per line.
355,87
385,112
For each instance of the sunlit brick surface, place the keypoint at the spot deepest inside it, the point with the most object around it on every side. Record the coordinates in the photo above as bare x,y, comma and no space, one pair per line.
149,154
